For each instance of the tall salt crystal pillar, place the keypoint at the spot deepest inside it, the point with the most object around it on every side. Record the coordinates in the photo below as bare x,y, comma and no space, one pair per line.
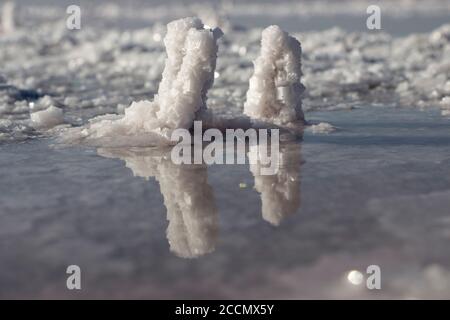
188,73
275,89
174,41
187,76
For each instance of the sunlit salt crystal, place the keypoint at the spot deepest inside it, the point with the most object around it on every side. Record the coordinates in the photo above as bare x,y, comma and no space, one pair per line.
275,89
187,76
48,118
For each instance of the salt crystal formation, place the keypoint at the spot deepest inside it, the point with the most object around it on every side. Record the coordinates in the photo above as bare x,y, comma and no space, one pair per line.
280,192
189,199
189,73
103,70
275,89
187,76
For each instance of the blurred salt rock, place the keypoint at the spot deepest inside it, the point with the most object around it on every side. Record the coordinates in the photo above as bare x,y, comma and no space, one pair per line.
7,18
275,88
48,118
440,35
321,127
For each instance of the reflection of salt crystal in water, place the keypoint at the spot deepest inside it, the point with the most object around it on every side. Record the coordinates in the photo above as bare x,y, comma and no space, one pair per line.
189,199
280,192
275,89
187,76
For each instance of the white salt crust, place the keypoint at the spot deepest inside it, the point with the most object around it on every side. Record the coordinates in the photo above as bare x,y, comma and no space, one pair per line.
274,95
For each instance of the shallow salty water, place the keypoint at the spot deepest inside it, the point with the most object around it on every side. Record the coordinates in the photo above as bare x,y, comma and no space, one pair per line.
376,191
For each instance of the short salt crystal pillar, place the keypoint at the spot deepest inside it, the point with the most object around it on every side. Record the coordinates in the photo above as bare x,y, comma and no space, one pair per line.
275,89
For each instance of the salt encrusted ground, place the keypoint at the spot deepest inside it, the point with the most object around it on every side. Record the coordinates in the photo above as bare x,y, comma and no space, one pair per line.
371,189
99,70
